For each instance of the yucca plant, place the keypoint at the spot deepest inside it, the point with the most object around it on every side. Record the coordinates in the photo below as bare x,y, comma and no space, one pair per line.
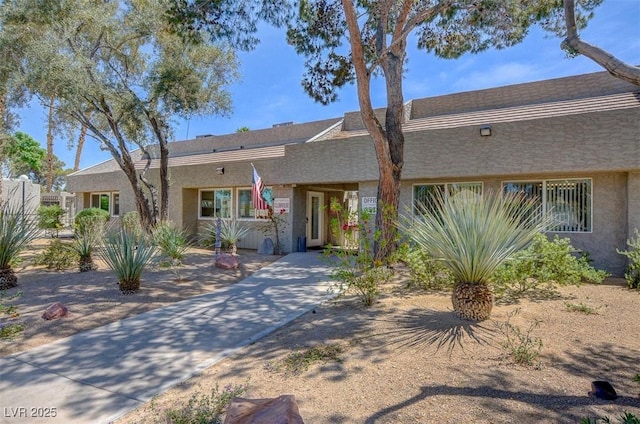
127,258
232,232
172,242
87,239
472,236
16,232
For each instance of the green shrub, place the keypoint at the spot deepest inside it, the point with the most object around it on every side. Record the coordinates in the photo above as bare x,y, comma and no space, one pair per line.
128,258
360,272
171,241
545,262
201,408
298,362
87,238
57,255
523,348
626,418
425,272
131,224
49,217
10,324
632,275
231,232
89,217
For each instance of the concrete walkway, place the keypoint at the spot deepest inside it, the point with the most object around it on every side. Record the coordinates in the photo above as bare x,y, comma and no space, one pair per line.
98,375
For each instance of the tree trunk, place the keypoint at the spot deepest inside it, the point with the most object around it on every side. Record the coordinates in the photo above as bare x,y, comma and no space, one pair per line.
49,186
472,301
159,130
615,66
81,138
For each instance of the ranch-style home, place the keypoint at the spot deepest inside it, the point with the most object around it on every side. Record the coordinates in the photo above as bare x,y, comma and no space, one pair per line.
573,143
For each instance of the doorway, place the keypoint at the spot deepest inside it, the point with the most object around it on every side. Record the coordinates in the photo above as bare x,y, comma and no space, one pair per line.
315,222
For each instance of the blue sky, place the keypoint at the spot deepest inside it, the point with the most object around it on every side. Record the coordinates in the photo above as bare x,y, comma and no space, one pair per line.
269,89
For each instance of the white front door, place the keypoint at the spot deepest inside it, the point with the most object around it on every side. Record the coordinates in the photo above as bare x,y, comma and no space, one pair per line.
315,225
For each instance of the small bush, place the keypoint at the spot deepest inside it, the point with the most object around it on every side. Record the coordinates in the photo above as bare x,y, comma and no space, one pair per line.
427,273
131,224
57,255
298,362
633,255
626,418
201,408
10,325
523,348
580,307
89,217
545,262
50,217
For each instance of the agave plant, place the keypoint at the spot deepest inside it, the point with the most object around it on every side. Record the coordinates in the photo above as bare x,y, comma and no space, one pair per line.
172,242
16,232
472,236
128,258
231,232
88,238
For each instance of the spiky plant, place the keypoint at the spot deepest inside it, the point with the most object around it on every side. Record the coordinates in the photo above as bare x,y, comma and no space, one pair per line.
172,242
232,232
16,232
127,258
88,238
472,236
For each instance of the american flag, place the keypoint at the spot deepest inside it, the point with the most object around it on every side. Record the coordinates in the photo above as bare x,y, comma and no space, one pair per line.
256,191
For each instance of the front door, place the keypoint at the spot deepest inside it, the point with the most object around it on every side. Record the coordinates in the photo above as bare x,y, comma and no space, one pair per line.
315,227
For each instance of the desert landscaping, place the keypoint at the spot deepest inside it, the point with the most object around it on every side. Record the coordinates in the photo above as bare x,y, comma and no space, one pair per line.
406,359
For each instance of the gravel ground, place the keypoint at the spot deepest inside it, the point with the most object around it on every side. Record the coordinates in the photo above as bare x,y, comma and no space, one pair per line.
407,359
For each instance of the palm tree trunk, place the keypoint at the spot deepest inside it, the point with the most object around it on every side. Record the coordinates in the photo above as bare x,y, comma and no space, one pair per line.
50,147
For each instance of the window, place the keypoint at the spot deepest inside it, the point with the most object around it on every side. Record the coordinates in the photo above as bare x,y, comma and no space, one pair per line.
426,195
106,201
116,204
245,205
215,203
568,201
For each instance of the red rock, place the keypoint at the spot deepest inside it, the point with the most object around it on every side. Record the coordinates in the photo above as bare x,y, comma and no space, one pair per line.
281,410
56,310
226,261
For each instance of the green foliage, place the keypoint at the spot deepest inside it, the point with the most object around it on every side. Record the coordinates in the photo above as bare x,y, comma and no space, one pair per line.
426,273
545,262
201,408
24,155
57,255
16,232
626,418
231,232
90,217
580,307
632,275
87,239
10,325
359,271
523,348
50,217
636,378
474,235
127,258
298,362
171,242
131,224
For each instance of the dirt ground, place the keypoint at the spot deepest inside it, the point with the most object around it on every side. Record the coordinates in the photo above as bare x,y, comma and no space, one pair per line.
407,359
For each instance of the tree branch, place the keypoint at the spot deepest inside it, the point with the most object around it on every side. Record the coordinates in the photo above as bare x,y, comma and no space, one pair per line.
612,64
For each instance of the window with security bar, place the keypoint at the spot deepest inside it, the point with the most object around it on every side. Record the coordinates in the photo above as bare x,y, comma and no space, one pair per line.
425,196
567,201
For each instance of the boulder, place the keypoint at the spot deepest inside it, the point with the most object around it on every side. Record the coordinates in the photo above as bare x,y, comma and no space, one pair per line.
280,410
56,310
266,248
226,261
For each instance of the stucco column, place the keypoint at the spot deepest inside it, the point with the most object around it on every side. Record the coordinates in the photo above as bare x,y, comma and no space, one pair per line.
633,202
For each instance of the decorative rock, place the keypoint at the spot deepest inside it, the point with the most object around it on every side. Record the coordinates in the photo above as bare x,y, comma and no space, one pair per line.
56,310
226,261
266,248
603,390
281,410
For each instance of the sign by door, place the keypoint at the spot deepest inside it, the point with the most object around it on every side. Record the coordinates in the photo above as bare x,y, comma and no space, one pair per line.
370,204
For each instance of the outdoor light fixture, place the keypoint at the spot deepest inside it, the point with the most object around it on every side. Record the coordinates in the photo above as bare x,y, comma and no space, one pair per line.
485,131
220,170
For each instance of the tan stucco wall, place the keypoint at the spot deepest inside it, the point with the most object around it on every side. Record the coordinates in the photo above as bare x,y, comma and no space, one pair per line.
633,196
